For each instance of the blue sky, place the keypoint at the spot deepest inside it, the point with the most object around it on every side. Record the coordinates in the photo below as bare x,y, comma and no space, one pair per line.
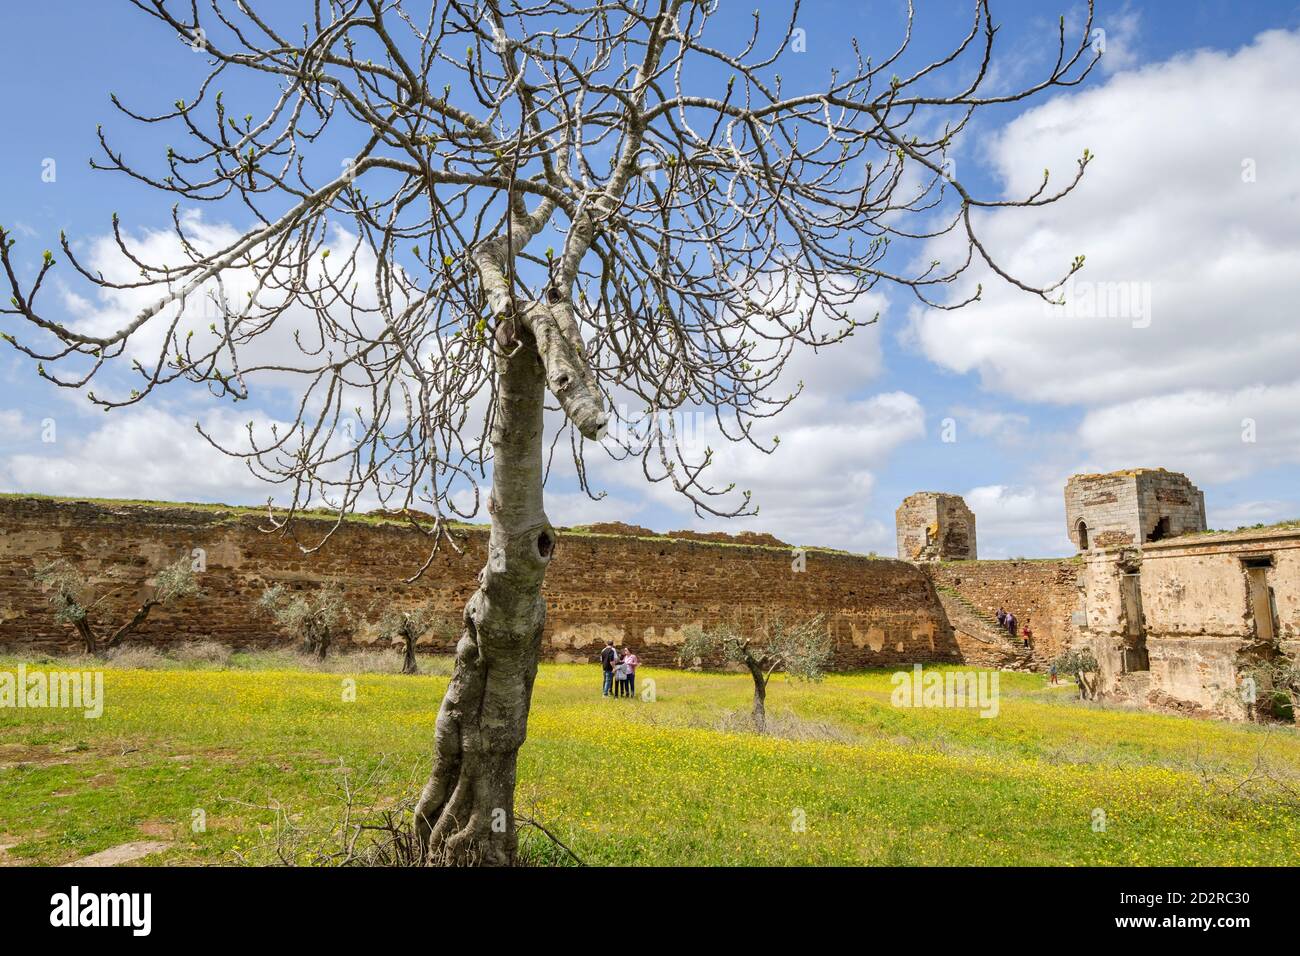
1188,97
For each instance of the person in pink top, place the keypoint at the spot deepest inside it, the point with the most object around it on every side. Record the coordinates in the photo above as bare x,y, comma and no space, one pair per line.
630,660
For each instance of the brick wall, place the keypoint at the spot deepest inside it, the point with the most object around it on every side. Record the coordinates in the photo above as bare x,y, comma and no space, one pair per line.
636,590
1044,594
1169,495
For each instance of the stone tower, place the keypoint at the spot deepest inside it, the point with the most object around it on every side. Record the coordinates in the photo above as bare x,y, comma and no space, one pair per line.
1129,508
935,527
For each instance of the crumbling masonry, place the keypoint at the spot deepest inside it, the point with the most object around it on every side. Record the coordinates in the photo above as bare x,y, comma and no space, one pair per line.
1126,508
935,527
1178,618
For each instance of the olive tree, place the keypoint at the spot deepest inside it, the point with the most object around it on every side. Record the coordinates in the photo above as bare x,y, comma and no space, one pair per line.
802,649
74,597
407,627
315,618
1269,687
455,208
1081,664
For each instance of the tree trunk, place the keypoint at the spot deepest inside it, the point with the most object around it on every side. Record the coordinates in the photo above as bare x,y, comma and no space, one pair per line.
1087,688
131,625
408,653
87,635
760,695
466,811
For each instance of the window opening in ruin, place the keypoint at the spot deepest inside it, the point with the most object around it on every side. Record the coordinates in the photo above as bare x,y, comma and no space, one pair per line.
1261,603
1135,637
1160,531
1083,535
1261,561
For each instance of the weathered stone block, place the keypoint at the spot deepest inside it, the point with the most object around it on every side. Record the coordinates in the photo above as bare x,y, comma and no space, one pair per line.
935,527
1131,507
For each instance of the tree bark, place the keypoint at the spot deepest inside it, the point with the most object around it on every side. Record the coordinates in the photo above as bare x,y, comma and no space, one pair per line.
465,814
131,625
760,694
87,636
408,653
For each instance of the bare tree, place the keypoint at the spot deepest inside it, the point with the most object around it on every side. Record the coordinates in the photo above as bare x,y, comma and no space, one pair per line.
72,596
315,618
803,650
706,220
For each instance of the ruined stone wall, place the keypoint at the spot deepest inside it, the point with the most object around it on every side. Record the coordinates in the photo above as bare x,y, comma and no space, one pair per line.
1169,495
1197,620
1108,504
935,527
636,590
1123,508
1044,594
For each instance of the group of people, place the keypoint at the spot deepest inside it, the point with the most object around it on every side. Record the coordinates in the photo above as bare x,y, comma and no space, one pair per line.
1008,621
619,670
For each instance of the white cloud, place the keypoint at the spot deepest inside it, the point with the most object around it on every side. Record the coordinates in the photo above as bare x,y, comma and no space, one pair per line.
1006,427
1181,324
1017,521
816,487
13,427
1164,205
139,453
1213,435
1119,33
569,508
1247,513
277,346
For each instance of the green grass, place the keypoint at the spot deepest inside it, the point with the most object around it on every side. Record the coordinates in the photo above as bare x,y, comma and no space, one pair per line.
1291,524
676,781
235,512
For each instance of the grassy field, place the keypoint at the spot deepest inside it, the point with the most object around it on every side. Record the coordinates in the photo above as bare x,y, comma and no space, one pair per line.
254,746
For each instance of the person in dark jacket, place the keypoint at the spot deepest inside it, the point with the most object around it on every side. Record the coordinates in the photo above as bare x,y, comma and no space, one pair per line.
608,659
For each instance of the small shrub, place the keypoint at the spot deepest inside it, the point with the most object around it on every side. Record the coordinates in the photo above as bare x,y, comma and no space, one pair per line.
203,652
136,657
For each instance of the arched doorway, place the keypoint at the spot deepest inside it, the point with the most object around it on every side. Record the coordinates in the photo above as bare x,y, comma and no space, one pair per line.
1082,529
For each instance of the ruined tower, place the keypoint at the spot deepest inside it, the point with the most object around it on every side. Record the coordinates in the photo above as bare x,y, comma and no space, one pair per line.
935,527
1130,508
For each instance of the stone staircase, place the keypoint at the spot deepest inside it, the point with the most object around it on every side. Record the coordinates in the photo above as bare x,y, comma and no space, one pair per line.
982,641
